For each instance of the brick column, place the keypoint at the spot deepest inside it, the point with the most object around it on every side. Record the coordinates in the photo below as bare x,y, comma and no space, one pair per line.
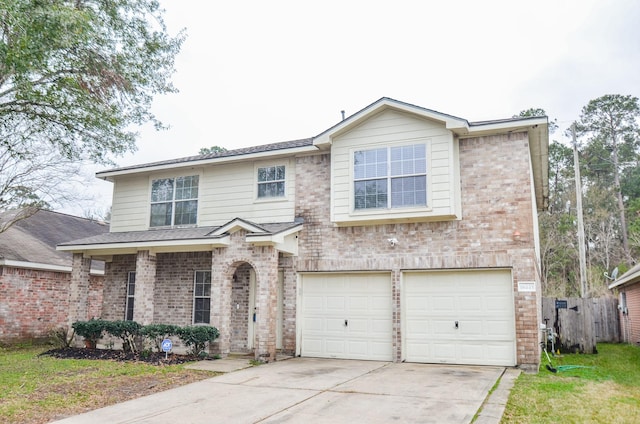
145,287
220,304
79,289
267,301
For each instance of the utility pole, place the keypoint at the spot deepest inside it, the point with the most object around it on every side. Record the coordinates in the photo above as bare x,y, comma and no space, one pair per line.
581,241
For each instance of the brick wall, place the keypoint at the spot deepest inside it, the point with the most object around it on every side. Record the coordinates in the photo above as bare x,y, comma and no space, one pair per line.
115,286
226,261
630,322
174,285
33,302
496,201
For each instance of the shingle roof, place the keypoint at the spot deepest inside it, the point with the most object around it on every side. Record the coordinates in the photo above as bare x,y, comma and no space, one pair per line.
229,153
34,239
170,234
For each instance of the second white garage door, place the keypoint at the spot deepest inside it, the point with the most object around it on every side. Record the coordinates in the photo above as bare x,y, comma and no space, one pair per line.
459,317
346,316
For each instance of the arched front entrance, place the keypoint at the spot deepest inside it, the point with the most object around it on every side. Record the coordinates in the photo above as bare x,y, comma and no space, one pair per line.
243,325
243,308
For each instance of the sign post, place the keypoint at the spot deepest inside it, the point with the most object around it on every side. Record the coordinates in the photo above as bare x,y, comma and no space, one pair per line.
167,344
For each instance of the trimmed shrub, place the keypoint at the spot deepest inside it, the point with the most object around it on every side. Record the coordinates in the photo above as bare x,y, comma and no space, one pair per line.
127,331
196,337
156,333
91,330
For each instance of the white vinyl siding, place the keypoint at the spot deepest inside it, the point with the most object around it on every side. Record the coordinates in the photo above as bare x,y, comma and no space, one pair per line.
225,192
130,210
389,129
230,191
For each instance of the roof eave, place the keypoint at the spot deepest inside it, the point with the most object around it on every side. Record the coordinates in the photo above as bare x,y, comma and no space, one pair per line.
155,246
111,174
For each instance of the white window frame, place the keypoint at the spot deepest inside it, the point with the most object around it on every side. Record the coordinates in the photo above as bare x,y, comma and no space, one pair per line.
130,297
202,296
388,177
282,181
174,201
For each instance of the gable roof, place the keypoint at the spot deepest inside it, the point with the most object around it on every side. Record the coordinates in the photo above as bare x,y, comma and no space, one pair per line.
31,242
628,278
536,127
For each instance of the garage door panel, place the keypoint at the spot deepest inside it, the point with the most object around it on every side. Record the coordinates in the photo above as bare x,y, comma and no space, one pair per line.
442,304
313,324
335,304
312,303
470,328
443,327
382,327
358,327
335,348
482,303
470,303
314,344
444,352
362,300
335,325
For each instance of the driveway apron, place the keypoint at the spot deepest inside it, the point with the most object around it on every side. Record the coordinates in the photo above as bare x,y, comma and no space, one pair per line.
309,390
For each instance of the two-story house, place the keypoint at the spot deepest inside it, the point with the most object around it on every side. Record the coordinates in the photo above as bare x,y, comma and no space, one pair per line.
399,234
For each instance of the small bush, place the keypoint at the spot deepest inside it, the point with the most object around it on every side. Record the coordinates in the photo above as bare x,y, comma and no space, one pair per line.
91,330
156,333
196,337
127,331
62,336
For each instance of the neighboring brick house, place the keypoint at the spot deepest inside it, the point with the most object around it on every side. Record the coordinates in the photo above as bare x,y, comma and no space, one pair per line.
35,278
399,234
628,287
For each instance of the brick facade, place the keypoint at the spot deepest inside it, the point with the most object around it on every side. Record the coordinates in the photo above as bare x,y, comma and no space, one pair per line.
35,302
630,321
496,202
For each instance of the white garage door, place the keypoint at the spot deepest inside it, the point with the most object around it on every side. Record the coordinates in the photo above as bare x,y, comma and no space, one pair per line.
459,317
346,316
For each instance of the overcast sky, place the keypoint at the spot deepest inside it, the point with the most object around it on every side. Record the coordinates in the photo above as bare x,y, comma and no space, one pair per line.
256,72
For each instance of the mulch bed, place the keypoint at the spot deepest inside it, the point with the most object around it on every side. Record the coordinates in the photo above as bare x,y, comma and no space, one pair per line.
152,358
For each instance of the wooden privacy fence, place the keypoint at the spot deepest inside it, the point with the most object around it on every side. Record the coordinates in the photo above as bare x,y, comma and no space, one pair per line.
581,323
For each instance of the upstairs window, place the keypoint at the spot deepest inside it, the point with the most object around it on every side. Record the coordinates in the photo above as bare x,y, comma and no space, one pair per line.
271,182
174,201
390,177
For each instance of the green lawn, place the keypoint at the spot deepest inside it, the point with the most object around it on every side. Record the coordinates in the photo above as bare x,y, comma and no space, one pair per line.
606,390
38,389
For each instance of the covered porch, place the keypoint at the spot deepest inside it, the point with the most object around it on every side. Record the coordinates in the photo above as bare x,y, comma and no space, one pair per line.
235,277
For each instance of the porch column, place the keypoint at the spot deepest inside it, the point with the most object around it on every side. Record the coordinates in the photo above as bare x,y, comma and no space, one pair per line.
220,305
145,287
267,301
79,289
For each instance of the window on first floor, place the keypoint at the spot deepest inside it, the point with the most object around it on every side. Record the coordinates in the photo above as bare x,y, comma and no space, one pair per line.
174,201
390,177
202,297
130,299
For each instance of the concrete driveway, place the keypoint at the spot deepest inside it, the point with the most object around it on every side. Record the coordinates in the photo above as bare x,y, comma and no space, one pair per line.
308,390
